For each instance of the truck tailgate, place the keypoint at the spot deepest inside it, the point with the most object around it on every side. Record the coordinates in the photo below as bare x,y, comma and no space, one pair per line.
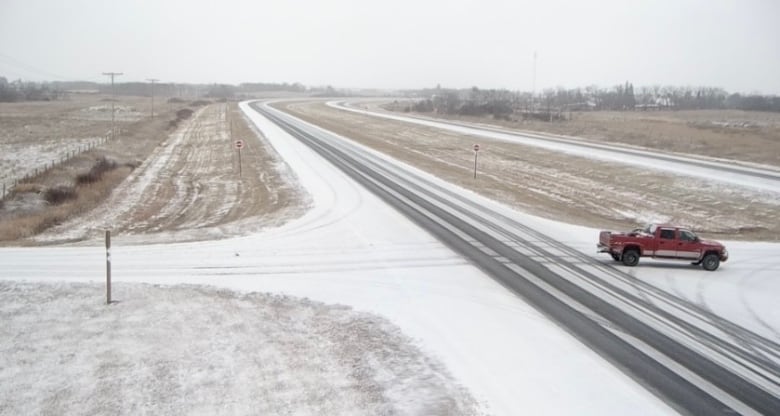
604,239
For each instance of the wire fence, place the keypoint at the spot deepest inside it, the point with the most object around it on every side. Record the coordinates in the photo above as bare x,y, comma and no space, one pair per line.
38,171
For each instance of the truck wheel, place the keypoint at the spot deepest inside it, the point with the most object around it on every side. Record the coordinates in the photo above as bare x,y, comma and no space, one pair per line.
630,257
710,262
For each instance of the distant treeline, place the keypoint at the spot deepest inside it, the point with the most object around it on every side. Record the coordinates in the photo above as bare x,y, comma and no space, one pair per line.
249,87
27,91
43,91
473,101
624,97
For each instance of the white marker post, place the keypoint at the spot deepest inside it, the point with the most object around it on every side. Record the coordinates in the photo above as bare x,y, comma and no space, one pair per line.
239,144
476,151
108,267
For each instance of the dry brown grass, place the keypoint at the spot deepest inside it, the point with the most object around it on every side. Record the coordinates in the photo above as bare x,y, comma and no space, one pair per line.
60,194
100,170
558,186
264,191
68,118
191,188
748,136
197,188
84,197
96,172
27,188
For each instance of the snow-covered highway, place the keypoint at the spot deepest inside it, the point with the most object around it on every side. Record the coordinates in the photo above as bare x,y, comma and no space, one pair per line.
353,249
577,293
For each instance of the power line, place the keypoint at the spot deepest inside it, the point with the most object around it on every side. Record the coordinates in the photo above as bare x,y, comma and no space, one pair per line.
19,64
533,87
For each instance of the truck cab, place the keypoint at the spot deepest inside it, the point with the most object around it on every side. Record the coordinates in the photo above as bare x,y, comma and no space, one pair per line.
678,243
662,241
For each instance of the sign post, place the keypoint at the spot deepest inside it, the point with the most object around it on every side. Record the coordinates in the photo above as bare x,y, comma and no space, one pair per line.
476,151
239,144
108,267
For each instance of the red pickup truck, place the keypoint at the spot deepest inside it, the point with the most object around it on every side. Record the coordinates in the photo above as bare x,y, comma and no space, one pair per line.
662,241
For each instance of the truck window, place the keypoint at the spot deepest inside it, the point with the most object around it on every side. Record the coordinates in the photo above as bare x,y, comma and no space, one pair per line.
667,234
686,235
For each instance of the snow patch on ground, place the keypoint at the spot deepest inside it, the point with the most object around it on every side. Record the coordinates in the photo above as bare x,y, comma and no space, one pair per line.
349,249
352,249
200,350
103,112
20,159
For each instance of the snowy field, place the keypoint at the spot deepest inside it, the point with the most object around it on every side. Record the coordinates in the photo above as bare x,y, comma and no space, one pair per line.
188,189
601,187
455,328
194,350
35,135
710,169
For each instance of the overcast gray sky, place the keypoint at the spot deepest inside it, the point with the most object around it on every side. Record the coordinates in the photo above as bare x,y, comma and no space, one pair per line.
398,43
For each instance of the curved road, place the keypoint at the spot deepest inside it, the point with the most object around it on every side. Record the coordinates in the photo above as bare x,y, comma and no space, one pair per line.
697,362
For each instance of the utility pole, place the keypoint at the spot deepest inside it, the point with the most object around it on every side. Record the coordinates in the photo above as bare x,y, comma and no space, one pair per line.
152,80
533,85
113,98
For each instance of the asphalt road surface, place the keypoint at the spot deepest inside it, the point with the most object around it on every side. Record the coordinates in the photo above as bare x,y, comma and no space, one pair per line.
697,362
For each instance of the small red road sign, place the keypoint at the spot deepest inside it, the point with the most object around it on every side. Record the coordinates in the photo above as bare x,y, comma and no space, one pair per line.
239,144
476,147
